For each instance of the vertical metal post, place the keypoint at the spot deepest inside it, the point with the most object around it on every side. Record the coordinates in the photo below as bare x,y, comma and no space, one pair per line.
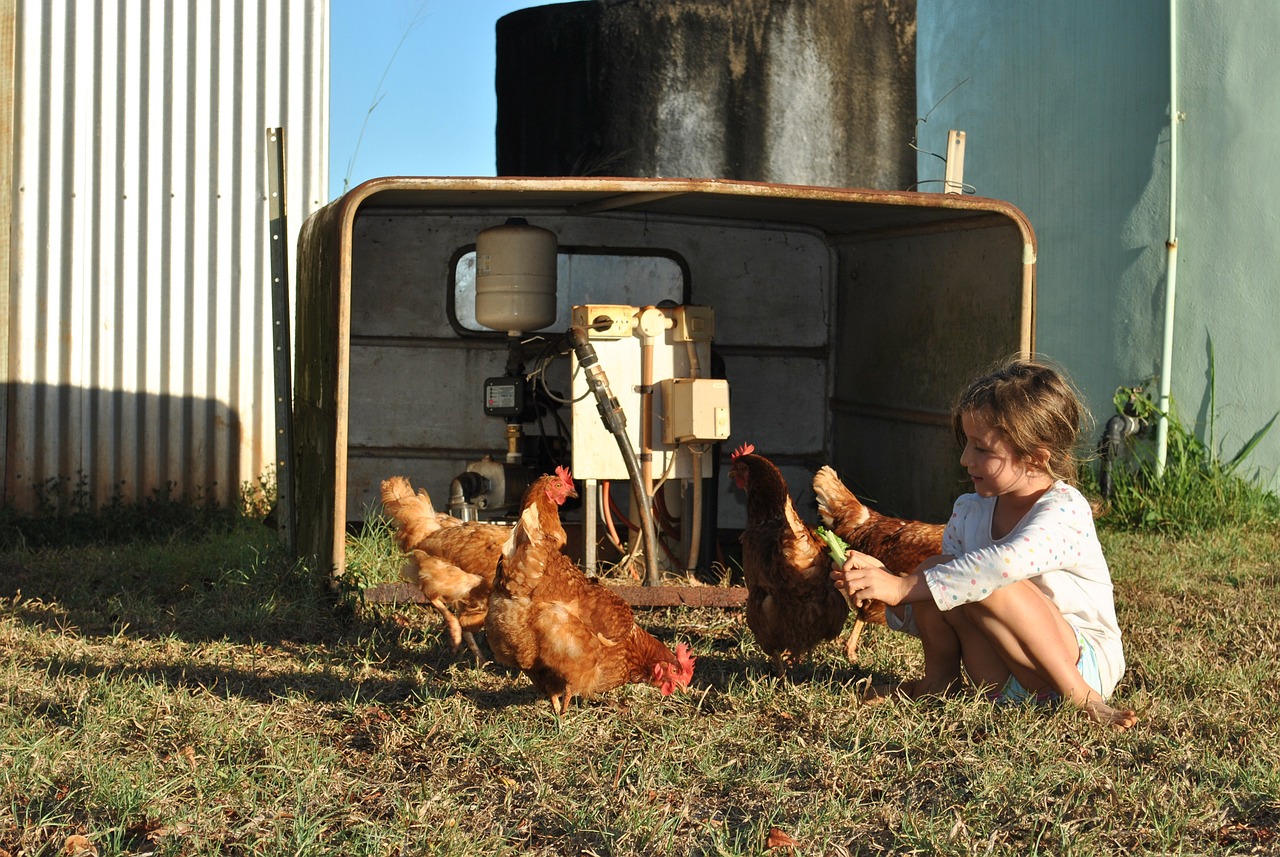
278,233
8,90
590,510
953,179
1171,249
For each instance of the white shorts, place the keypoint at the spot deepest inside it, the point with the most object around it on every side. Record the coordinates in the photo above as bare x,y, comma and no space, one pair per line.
907,624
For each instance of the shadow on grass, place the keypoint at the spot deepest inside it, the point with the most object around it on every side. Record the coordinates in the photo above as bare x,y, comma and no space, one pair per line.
287,632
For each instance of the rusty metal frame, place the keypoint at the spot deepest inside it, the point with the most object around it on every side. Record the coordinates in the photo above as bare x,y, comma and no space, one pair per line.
322,395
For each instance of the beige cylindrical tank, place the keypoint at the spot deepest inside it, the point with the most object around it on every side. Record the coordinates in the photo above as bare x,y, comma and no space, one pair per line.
516,277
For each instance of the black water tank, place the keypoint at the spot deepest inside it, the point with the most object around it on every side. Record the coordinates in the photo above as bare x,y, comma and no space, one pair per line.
817,92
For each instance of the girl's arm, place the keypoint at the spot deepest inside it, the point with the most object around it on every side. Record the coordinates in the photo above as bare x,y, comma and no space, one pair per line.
1051,536
865,578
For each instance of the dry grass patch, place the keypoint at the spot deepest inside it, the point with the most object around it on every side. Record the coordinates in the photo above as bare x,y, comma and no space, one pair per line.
213,698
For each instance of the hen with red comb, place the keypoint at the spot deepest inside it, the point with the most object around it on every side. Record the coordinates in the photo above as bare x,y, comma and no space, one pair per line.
453,562
792,604
569,634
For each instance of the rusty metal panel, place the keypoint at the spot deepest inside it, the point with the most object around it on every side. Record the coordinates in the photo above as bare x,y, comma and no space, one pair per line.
414,397
139,330
946,304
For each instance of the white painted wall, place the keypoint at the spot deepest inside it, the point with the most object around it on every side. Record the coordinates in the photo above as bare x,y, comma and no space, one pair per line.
1066,111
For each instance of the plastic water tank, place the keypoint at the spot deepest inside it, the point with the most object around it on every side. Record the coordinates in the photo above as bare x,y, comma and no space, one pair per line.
516,277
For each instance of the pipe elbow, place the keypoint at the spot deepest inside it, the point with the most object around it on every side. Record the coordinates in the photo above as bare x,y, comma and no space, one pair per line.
1114,433
1120,427
465,486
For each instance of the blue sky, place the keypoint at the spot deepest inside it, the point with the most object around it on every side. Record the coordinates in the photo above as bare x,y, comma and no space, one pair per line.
433,112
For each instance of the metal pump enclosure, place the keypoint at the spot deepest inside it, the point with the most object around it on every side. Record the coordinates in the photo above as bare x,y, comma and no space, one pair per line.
847,320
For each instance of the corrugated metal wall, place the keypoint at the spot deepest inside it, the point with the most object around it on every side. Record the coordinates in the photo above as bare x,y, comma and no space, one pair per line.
139,329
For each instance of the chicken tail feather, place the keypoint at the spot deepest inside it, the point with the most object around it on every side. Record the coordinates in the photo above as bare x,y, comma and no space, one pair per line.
414,515
836,503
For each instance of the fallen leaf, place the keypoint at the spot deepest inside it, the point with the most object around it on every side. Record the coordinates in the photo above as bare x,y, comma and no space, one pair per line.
152,829
79,846
778,839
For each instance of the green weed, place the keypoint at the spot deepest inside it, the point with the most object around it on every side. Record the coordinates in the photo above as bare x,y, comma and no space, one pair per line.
1199,489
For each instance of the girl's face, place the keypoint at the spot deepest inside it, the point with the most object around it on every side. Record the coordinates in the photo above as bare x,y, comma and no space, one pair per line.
992,463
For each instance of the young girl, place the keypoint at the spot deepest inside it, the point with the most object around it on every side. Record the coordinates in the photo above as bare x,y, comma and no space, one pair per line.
1021,595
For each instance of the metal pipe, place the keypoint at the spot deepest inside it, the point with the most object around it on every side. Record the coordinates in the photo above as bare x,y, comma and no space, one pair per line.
463,487
1171,246
695,477
695,513
1118,428
589,501
646,419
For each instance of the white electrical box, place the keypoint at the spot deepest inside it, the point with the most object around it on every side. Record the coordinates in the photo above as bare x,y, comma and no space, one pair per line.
697,410
681,352
595,449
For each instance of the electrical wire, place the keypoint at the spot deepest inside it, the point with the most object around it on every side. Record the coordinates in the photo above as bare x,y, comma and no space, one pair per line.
915,136
606,517
627,555
634,527
964,186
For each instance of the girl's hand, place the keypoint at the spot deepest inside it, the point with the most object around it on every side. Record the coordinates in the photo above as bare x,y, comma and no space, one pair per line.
865,578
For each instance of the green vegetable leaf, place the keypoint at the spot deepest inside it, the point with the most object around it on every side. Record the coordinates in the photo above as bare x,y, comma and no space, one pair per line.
836,546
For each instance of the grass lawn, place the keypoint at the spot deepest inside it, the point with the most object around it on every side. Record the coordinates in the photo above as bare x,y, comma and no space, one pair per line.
205,696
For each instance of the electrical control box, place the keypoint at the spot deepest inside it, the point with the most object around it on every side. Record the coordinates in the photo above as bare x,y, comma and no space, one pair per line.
605,321
697,410
679,341
504,397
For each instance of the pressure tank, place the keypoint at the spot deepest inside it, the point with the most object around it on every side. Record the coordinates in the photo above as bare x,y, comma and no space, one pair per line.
516,277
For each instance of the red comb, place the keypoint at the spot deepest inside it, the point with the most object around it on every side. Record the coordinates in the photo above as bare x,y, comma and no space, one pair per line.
745,449
565,476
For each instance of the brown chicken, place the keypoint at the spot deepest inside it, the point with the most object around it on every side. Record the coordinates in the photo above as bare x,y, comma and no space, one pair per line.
570,635
792,603
900,544
452,561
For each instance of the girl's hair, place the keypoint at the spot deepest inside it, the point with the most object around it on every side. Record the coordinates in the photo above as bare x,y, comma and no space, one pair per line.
1034,406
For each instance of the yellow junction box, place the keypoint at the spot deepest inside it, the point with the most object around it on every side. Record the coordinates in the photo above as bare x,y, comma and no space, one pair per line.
697,409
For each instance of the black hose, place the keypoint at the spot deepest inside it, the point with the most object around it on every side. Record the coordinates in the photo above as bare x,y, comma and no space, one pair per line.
616,422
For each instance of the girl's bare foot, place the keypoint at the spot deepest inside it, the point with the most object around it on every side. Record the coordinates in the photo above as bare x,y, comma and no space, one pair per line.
1117,718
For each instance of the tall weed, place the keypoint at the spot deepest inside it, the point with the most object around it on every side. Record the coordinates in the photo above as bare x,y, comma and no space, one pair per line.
1198,490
